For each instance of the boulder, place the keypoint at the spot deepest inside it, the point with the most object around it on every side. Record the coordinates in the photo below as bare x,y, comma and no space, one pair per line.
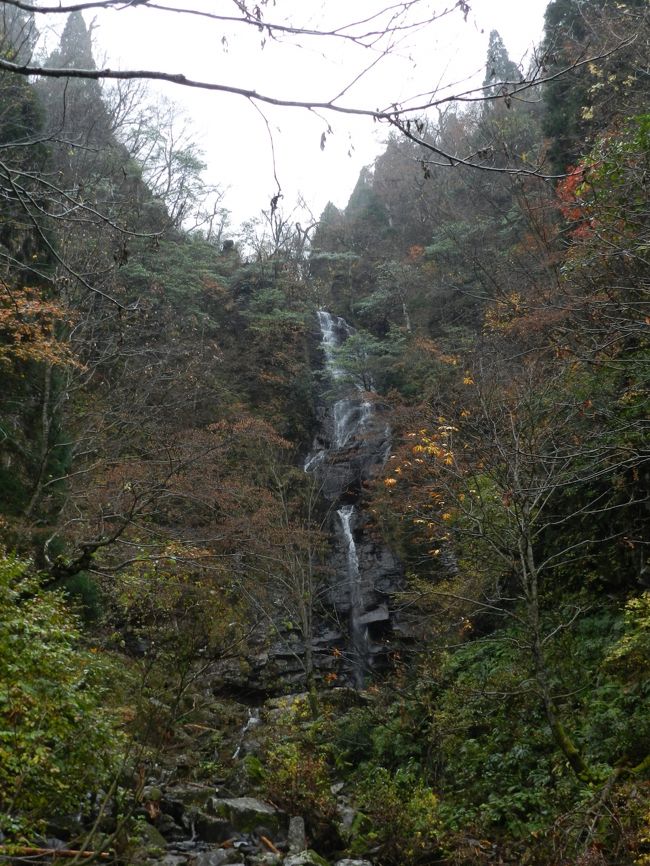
170,829
151,843
185,846
217,857
151,794
173,860
353,863
305,858
178,799
209,828
297,838
247,814
266,858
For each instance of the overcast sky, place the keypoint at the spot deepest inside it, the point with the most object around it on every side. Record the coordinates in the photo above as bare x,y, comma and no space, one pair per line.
234,136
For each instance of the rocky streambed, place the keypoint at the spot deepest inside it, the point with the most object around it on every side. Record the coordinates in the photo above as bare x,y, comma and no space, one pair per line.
195,826
187,815
226,821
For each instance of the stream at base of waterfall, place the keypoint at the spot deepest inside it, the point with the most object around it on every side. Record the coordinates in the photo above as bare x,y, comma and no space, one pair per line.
350,448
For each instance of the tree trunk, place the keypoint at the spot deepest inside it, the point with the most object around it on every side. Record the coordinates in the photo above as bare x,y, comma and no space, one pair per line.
562,739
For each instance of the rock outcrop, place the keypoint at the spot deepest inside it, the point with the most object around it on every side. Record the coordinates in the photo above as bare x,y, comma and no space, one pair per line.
350,449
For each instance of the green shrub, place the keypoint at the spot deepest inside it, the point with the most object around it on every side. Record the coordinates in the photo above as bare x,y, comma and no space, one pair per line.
297,779
83,592
57,741
402,816
630,656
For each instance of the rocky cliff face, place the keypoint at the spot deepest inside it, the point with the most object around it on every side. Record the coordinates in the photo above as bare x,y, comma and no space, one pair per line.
359,628
350,448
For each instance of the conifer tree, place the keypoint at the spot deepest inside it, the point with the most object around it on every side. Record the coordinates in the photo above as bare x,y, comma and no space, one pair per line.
75,109
602,46
500,70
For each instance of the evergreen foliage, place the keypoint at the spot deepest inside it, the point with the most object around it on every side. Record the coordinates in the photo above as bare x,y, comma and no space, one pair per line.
600,43
499,69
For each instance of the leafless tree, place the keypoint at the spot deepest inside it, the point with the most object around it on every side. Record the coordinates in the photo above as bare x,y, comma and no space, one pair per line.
505,479
382,31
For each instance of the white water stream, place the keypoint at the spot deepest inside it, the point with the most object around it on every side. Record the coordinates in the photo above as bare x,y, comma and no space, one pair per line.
351,415
358,632
331,328
253,721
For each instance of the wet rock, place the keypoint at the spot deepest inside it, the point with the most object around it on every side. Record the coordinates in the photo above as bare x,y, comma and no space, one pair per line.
210,828
326,638
185,845
247,844
247,814
50,842
267,858
305,858
250,747
170,829
297,838
347,816
173,860
378,614
218,857
353,863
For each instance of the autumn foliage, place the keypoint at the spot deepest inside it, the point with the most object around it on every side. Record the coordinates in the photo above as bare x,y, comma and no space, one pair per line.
32,328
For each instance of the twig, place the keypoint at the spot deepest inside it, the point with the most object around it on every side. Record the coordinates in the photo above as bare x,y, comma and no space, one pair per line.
270,845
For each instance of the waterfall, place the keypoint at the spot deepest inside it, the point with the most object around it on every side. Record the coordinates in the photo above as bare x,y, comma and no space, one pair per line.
334,331
351,413
252,721
347,449
358,632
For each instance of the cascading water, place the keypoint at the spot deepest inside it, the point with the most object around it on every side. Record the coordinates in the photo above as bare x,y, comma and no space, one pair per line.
358,632
351,444
350,419
351,412
334,331
357,625
252,721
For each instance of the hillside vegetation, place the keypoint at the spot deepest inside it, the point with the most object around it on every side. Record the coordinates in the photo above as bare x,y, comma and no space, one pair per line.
162,381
